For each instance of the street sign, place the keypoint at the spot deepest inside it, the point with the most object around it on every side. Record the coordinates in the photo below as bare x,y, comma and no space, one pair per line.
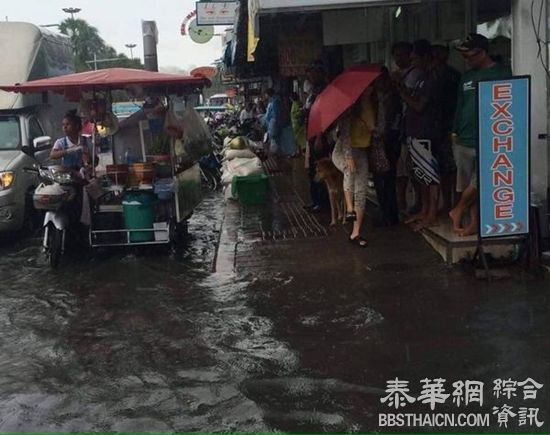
216,13
503,157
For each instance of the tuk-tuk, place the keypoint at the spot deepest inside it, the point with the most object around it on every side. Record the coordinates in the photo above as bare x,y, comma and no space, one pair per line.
145,184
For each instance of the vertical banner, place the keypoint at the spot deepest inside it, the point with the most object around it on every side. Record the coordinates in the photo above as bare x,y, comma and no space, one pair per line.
503,158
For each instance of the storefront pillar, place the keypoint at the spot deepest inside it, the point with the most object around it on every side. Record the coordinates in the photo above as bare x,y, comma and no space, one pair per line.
528,58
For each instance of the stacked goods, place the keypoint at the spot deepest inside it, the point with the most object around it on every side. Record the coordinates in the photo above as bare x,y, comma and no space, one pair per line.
242,172
141,173
118,174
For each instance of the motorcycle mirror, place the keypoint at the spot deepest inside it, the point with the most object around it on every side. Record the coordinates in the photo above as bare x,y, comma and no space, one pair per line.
42,142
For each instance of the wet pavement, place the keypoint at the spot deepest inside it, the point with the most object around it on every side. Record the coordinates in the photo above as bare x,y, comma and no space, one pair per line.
285,327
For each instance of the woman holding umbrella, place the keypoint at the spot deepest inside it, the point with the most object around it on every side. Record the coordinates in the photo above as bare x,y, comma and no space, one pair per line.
355,133
350,100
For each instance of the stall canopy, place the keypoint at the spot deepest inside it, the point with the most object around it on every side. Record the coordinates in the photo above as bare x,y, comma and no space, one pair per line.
108,79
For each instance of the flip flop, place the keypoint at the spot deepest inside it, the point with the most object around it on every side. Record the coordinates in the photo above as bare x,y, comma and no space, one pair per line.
351,216
359,241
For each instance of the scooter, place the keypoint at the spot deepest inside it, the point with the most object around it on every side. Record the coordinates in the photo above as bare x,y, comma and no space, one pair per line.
57,195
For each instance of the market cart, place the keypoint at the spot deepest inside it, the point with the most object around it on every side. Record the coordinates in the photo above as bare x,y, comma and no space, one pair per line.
145,184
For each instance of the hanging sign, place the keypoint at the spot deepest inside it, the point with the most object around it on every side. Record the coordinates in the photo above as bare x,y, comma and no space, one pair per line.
216,13
189,17
503,157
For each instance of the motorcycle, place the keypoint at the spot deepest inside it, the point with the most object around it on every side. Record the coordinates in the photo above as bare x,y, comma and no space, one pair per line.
58,195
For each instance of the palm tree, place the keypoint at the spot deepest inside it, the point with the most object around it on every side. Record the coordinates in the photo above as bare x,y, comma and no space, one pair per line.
87,42
85,39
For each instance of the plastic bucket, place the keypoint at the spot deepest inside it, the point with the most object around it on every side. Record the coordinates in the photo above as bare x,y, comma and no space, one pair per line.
139,213
251,189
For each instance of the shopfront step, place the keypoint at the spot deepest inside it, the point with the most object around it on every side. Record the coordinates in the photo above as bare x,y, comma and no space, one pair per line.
453,248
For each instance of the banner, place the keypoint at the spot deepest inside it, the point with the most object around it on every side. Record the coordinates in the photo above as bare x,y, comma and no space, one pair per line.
503,158
216,13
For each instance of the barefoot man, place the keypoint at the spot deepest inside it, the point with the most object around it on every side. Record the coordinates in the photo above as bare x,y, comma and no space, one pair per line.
475,51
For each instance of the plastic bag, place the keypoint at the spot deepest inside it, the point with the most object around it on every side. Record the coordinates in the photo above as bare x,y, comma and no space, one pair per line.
196,135
243,167
173,124
232,154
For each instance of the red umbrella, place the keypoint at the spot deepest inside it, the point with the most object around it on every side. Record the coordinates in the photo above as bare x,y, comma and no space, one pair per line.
339,95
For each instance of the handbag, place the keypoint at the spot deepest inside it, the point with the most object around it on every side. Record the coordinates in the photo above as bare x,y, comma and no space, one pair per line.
377,158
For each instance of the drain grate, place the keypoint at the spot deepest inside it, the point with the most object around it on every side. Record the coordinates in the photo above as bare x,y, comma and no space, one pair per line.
271,166
284,221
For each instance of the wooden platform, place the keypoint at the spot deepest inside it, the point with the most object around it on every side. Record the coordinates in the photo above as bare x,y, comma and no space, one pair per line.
453,248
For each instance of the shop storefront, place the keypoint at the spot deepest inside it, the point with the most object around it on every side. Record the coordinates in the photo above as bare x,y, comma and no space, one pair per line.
286,35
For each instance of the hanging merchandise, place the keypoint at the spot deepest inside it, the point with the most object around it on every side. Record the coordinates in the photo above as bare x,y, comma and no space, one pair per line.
196,137
173,124
109,125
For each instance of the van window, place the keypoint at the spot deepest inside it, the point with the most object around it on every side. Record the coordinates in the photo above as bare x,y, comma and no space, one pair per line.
34,130
10,133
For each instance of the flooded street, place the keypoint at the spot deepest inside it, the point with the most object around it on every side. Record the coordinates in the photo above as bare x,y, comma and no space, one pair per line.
293,335
130,342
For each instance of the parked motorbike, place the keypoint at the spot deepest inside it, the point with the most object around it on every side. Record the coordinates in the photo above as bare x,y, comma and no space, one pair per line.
58,195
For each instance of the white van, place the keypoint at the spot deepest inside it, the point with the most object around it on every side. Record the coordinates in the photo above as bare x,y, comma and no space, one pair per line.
220,100
27,122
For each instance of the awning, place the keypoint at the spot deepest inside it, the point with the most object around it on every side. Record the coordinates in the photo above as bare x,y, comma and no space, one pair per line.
276,6
107,79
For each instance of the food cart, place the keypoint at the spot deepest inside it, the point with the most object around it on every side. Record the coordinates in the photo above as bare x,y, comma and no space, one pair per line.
137,195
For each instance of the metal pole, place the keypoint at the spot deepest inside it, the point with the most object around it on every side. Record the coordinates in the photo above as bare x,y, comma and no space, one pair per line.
95,62
150,39
131,47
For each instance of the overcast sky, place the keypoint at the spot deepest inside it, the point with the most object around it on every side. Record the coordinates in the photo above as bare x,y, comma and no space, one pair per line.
119,23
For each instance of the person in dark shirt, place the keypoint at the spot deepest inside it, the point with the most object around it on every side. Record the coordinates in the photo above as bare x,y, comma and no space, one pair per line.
388,131
318,147
447,80
423,129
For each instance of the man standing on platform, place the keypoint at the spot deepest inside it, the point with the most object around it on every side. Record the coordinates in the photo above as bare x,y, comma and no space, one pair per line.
475,51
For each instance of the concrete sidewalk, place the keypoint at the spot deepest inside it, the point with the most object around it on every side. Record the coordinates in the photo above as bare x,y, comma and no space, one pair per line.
365,316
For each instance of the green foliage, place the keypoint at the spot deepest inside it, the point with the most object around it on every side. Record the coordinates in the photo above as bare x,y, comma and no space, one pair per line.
87,42
160,146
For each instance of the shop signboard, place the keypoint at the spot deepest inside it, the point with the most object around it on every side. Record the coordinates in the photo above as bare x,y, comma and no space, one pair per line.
216,13
503,158
296,52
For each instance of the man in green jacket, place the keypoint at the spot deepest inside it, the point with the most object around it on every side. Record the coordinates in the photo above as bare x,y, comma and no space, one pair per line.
475,51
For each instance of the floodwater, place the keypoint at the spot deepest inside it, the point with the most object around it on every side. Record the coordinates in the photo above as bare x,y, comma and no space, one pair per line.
148,341
128,341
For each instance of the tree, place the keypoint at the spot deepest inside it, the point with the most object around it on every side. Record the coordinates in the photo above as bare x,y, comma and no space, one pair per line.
87,42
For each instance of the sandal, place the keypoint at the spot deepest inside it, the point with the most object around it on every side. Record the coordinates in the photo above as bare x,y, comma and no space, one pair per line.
359,241
351,216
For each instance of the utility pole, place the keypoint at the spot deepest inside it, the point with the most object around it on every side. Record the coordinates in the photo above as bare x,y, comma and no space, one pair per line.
131,47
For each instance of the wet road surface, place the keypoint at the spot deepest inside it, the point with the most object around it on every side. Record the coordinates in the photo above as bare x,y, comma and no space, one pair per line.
129,341
295,335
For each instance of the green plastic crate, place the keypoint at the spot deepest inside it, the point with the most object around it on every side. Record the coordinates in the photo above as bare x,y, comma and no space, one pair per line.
251,189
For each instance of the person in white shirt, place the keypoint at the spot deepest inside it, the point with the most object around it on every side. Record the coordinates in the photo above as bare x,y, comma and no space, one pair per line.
247,113
73,148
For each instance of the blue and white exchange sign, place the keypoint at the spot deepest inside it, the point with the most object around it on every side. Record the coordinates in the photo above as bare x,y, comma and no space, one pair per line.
503,159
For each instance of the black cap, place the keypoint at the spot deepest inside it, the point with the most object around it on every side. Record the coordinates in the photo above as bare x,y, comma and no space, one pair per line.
474,41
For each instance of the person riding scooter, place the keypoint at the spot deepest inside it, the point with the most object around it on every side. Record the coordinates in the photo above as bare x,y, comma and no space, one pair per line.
73,149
